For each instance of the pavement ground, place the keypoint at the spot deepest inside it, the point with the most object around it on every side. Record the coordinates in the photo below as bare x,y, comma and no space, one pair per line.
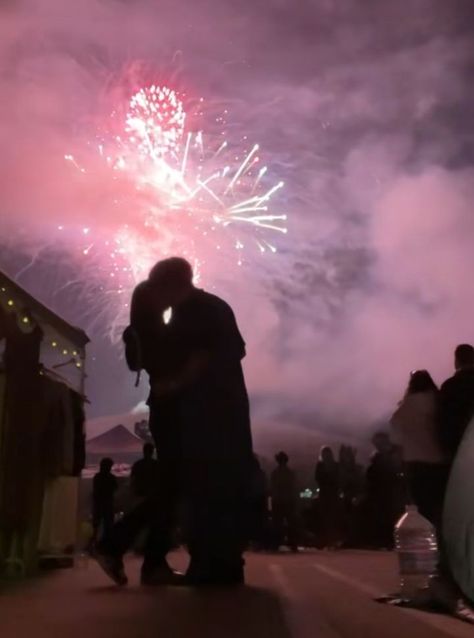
317,594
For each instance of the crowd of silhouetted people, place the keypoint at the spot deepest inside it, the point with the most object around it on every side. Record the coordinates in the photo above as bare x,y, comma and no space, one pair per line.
348,505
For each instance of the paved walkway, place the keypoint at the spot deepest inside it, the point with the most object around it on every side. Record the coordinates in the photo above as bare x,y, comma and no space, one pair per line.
314,594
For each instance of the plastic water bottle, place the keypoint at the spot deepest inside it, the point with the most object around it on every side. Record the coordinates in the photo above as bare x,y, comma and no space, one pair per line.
417,549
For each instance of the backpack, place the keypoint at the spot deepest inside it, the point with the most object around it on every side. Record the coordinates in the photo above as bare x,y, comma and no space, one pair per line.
133,351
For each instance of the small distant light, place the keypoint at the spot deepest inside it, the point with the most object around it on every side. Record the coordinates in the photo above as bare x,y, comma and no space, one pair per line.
54,344
10,302
74,353
25,320
65,351
78,364
3,289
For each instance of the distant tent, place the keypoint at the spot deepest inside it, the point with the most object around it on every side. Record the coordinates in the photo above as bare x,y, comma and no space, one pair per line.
118,443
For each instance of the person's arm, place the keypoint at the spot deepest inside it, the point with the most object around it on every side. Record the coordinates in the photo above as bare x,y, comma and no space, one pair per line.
194,367
447,421
220,342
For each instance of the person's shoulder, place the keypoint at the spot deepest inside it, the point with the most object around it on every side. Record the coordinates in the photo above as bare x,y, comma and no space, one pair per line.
212,300
446,385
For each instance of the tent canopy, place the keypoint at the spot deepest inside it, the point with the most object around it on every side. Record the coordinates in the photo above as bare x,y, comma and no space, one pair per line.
118,440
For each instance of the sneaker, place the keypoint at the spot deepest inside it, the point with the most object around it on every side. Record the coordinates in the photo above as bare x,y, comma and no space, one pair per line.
161,576
113,567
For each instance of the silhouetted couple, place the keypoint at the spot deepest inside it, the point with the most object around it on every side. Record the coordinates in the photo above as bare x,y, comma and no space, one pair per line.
430,424
199,419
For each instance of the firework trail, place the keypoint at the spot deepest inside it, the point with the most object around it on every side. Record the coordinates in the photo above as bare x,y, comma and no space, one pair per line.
195,194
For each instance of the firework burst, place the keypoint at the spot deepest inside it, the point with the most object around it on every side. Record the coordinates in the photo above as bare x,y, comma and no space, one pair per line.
194,194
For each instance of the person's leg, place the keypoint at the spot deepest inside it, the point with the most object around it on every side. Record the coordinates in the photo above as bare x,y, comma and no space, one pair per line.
122,535
292,522
107,522
164,426
278,522
161,523
216,542
96,520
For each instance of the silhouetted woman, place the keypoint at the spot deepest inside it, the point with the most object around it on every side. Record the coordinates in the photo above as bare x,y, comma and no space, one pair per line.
327,478
414,427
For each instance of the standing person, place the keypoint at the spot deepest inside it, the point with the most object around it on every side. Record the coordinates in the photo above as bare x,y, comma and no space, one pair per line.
258,506
148,346
284,502
415,428
144,475
457,401
104,487
328,481
351,486
208,385
385,491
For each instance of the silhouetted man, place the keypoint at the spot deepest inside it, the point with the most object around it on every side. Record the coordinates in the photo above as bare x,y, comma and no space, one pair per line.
457,400
284,501
144,474
104,486
206,384
385,490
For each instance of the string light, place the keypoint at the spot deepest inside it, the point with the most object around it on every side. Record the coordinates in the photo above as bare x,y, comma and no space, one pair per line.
26,320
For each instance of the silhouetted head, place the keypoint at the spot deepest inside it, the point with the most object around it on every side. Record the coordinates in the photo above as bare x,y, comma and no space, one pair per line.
326,454
148,450
172,279
347,455
106,465
464,356
421,381
381,442
282,458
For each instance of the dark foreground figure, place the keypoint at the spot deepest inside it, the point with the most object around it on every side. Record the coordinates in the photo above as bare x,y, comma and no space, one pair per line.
104,487
199,419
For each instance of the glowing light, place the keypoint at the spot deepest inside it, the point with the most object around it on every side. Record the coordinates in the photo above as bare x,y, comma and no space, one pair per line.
10,302
65,351
54,344
25,320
